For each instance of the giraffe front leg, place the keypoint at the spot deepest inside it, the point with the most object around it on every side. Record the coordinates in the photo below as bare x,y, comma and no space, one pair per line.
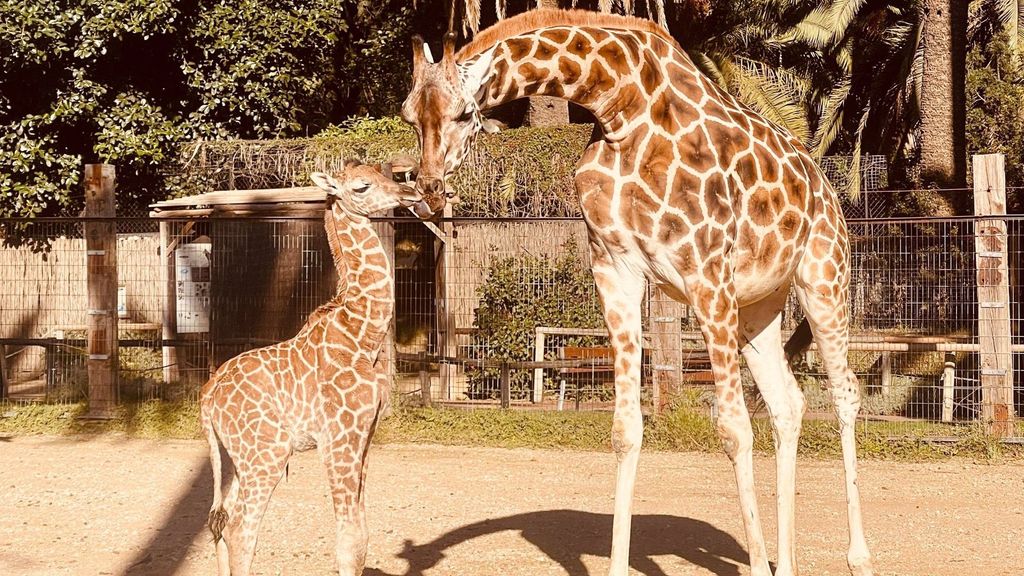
621,295
345,460
717,311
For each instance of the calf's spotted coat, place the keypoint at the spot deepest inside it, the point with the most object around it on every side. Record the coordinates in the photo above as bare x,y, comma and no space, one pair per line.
325,388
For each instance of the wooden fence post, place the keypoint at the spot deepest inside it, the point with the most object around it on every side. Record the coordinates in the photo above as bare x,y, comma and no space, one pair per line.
666,346
169,319
3,372
995,360
101,279
886,361
446,339
505,385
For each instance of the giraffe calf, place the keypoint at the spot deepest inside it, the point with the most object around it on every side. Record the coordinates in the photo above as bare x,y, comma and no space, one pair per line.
324,388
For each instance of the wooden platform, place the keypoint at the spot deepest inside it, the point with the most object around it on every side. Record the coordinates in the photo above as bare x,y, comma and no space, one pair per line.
27,391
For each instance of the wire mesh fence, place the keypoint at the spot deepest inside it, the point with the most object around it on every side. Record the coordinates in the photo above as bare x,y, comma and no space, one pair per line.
502,313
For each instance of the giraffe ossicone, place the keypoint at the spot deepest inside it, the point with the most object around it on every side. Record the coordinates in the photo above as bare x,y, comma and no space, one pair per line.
683,185
325,388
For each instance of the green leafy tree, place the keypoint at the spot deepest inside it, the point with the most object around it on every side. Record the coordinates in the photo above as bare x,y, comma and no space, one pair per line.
995,118
129,81
521,294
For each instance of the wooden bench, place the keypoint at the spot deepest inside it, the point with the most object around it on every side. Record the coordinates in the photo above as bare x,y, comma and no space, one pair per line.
596,353
695,368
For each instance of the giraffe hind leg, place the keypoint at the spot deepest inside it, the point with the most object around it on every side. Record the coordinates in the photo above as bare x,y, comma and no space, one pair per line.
252,486
826,310
761,327
719,321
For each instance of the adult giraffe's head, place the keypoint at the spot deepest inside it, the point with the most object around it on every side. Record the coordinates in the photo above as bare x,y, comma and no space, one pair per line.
443,108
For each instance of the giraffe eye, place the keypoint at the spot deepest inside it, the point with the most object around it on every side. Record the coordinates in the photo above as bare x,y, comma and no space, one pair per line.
464,115
361,187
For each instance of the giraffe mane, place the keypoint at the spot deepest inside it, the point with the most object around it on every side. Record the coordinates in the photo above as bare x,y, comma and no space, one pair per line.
533,20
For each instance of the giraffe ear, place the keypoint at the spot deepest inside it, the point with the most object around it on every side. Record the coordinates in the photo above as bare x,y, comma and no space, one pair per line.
476,74
326,182
490,126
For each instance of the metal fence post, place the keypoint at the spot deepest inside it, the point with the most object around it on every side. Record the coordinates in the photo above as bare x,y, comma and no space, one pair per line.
506,385
101,274
996,362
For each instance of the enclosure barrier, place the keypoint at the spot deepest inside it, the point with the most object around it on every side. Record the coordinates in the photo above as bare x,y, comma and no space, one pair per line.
497,312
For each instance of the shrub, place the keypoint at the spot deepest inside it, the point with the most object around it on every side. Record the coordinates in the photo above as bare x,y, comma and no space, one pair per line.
522,293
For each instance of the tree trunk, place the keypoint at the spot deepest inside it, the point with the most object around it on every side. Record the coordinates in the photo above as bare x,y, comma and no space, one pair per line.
943,145
545,110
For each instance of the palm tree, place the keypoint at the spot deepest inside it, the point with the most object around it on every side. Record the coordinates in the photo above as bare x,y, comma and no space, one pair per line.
986,17
893,83
943,144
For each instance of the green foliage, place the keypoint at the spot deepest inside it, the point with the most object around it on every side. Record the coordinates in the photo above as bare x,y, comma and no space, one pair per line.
499,428
129,82
995,119
521,294
152,419
374,67
263,71
685,427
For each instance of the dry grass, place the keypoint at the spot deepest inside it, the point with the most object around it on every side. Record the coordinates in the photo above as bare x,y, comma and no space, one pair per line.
681,429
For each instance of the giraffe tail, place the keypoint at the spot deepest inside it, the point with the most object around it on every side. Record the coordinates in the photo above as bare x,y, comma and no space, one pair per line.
218,516
800,341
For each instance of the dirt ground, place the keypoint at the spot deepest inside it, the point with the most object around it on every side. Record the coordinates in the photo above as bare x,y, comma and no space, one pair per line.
131,507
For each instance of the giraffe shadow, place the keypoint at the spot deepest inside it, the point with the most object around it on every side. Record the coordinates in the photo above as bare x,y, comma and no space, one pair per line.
566,536
166,550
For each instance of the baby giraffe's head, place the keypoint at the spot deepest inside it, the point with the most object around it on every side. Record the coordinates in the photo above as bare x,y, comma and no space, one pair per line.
362,190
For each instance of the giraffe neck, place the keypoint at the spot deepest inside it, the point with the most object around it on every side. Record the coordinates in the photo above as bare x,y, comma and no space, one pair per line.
365,299
617,75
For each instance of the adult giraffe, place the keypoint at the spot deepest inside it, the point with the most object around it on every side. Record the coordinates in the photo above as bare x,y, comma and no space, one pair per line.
683,185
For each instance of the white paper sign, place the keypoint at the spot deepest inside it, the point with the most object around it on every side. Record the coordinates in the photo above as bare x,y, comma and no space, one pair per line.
192,269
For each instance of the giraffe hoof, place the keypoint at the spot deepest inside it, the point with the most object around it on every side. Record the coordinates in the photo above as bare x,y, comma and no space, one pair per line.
861,567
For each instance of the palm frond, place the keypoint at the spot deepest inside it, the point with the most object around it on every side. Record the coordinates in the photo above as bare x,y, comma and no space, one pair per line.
659,13
1010,14
776,93
854,177
814,30
897,35
709,67
824,26
830,118
843,13
844,58
471,17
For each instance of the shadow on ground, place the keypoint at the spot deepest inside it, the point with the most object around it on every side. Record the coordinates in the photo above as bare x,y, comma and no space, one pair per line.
568,535
165,552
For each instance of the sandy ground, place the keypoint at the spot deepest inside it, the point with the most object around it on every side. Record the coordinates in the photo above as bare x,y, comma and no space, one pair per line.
131,507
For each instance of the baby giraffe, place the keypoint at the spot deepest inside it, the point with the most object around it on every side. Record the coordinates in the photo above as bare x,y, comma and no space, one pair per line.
324,388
